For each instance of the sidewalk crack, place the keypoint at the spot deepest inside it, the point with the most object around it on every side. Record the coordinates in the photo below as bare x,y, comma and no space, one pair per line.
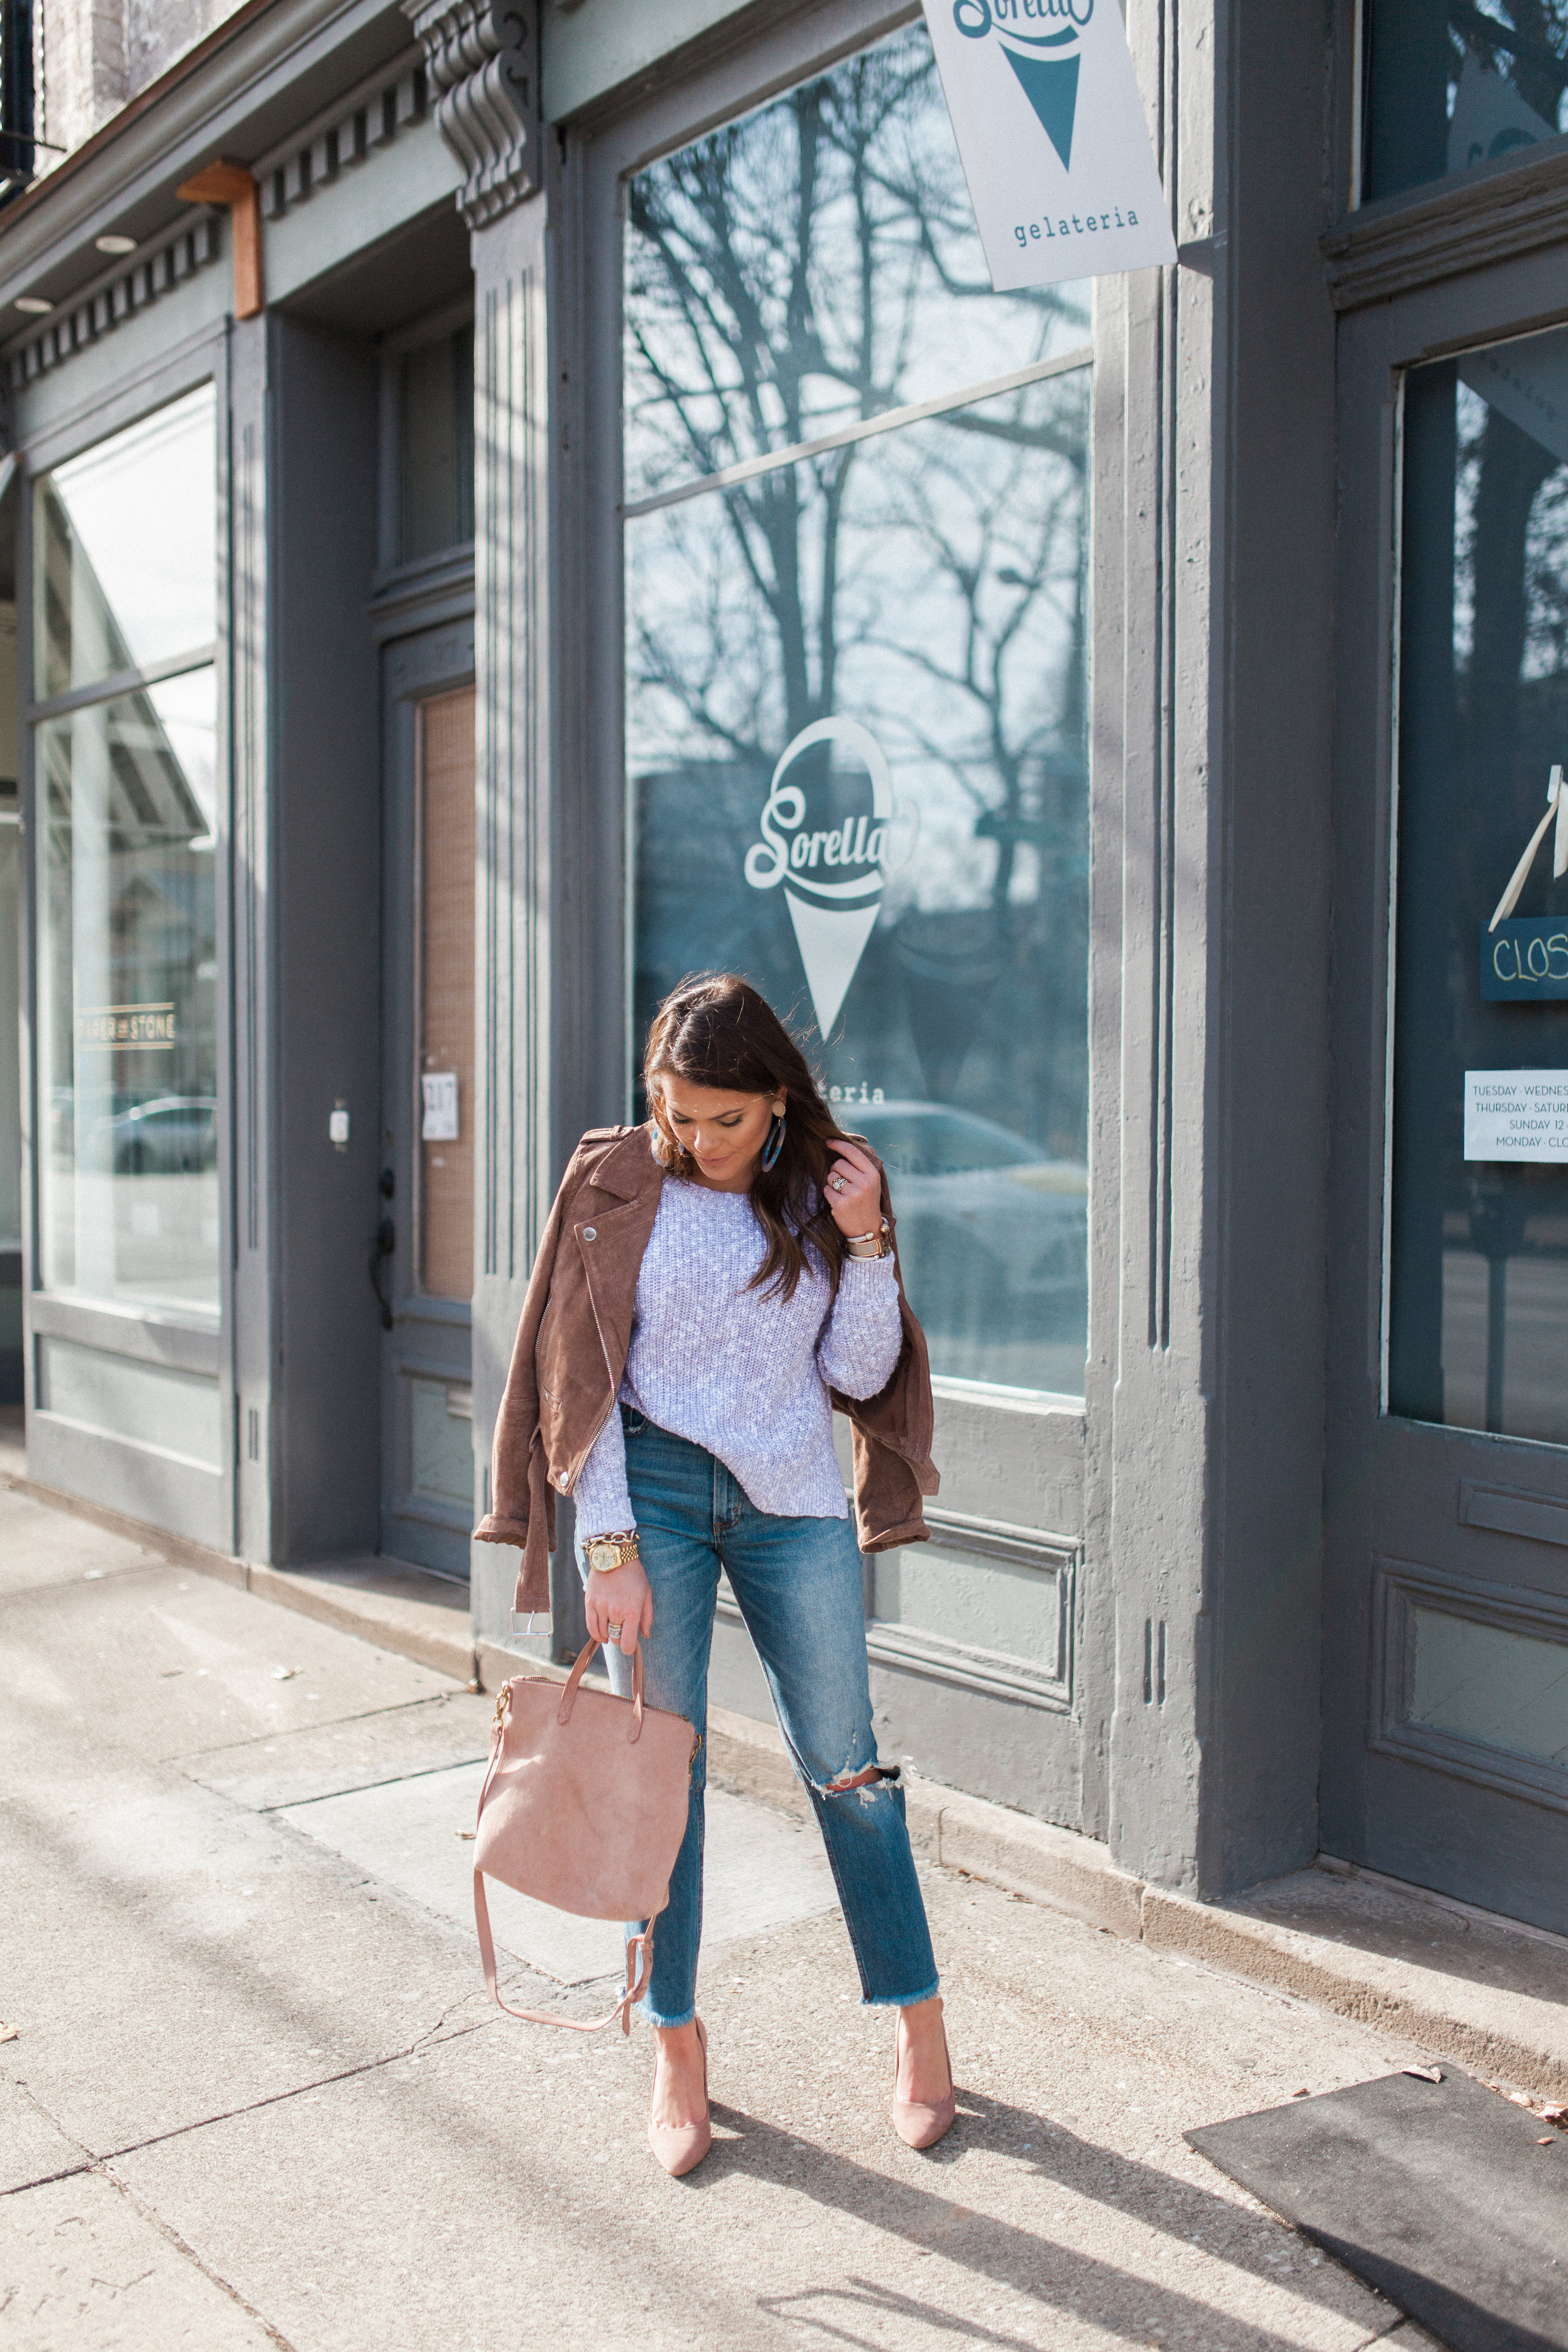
298,2090
167,2231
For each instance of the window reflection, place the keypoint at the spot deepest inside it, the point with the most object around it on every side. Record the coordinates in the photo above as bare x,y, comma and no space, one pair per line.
125,565
1479,1334
1451,85
128,1159
856,682
813,265
436,463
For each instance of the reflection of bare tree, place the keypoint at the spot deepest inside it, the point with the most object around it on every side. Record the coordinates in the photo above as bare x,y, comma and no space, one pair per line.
1524,40
814,266
1005,541
1513,569
786,274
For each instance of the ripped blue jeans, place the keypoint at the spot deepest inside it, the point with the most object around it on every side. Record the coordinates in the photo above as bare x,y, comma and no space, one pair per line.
799,1585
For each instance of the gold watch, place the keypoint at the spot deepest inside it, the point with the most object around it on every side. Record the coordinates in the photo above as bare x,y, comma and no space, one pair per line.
605,1554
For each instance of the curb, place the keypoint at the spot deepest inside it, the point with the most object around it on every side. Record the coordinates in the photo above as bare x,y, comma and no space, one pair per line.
1522,2042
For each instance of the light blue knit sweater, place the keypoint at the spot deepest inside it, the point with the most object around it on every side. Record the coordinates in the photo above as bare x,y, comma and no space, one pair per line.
742,1372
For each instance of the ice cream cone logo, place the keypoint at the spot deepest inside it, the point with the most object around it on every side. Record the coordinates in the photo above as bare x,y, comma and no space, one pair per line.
832,918
1046,62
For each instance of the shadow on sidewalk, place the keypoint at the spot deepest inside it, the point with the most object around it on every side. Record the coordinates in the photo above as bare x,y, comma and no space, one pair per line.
1078,2284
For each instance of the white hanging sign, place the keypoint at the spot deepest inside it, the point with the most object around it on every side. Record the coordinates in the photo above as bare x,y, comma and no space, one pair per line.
1051,135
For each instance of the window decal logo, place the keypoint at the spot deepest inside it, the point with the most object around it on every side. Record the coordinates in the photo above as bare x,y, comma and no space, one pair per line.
1045,63
832,918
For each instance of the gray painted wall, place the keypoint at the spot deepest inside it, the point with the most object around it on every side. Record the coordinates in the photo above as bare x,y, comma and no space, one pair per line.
516,925
326,924
1267,996
1215,497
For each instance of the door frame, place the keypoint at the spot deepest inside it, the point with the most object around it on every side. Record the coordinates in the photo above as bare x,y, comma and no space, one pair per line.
1377,1557
430,1337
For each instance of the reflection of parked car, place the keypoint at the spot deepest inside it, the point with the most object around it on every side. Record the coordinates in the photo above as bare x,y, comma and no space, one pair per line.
987,1224
174,1135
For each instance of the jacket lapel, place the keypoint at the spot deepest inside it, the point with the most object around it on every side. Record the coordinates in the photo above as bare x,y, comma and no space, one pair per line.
612,1241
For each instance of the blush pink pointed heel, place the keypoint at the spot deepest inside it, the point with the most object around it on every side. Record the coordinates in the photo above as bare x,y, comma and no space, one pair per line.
681,2147
921,2123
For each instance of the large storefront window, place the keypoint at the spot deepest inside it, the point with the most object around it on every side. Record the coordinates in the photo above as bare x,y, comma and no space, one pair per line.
1451,84
857,671
1478,1330
125,582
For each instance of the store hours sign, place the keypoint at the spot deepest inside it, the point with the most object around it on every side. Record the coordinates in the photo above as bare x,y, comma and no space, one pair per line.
1521,1115
1050,132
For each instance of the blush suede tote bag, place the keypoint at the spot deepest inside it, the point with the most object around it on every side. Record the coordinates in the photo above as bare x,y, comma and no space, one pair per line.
583,1807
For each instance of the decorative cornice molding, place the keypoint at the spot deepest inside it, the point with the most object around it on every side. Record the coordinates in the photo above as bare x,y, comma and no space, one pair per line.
1371,260
99,308
362,123
483,61
210,102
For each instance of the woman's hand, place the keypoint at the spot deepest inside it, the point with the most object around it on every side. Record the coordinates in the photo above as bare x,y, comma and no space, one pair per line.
853,1191
624,1598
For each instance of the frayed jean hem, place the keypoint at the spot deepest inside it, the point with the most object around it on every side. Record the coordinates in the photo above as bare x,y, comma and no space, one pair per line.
901,2000
664,2024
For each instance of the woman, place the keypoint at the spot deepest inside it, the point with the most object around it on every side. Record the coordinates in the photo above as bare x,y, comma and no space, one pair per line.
707,1288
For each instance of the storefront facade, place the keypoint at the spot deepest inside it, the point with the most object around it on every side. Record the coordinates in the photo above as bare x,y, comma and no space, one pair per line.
632,536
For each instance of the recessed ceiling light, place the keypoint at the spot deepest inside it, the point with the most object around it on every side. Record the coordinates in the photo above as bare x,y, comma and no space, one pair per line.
115,244
34,303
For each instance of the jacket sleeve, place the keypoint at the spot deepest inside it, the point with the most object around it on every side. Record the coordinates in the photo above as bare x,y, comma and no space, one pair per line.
893,1432
522,1503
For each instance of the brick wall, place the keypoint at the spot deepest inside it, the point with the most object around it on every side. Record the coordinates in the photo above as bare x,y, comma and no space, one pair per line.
93,55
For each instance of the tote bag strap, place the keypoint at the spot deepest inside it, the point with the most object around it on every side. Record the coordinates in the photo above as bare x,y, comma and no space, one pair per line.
639,1948
639,1965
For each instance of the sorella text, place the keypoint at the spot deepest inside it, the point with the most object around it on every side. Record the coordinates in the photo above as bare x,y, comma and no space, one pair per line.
862,843
975,18
1073,227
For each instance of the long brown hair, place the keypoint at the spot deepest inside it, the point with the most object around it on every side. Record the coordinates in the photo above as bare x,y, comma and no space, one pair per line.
715,1030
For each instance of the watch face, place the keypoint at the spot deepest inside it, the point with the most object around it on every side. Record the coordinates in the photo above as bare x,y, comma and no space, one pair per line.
602,1556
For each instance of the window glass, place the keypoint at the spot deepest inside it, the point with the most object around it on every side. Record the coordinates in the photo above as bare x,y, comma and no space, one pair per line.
125,563
1490,1684
441,1449
10,1033
444,1011
813,265
1478,1301
128,980
1451,85
436,459
857,681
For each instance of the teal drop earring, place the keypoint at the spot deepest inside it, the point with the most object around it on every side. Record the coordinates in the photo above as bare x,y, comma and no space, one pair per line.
775,1141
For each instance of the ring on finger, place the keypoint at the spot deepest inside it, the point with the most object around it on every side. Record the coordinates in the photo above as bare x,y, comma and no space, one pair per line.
615,1633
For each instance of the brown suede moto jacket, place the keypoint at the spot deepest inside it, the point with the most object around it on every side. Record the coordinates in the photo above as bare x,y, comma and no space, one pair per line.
570,1355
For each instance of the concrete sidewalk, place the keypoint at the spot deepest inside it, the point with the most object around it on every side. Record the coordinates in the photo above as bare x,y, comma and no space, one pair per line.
257,2095
1490,1994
